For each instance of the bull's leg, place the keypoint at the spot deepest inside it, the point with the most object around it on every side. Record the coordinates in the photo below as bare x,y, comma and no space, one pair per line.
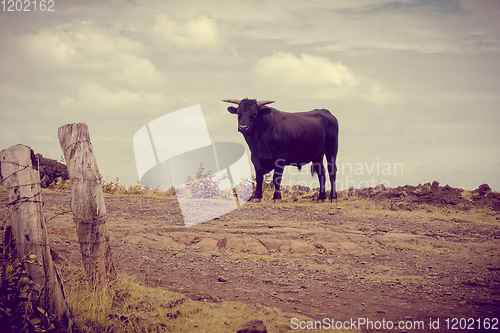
322,181
259,177
278,174
332,173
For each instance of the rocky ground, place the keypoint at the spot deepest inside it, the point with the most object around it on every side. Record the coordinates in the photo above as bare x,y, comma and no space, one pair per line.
409,254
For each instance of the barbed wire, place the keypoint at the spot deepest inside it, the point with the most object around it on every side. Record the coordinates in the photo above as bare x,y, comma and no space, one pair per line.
24,167
21,200
74,144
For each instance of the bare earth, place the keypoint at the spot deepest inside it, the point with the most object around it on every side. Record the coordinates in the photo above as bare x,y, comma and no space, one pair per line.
343,261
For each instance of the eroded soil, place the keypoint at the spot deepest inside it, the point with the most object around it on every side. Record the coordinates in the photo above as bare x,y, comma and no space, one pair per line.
323,260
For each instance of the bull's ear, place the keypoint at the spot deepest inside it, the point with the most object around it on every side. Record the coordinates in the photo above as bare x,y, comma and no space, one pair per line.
232,110
264,110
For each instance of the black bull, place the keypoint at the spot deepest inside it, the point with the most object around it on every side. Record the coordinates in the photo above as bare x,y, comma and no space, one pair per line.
278,138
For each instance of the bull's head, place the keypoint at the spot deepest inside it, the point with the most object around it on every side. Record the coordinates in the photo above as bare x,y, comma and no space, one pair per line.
249,112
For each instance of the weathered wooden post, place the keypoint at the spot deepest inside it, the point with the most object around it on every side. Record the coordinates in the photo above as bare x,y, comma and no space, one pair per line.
19,173
87,203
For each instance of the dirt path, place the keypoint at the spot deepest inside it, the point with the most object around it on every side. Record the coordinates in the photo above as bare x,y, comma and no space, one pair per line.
322,260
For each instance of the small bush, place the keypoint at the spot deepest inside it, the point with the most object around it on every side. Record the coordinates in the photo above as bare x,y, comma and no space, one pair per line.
19,310
60,184
205,186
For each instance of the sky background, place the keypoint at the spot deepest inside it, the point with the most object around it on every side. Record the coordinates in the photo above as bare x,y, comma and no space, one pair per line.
414,84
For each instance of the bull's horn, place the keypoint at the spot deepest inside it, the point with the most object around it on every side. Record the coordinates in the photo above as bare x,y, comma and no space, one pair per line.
261,103
235,101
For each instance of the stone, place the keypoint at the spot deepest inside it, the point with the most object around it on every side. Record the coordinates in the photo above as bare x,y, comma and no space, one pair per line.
483,189
252,326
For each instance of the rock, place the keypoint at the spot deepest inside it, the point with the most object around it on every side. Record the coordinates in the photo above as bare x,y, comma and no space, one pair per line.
245,244
302,247
483,189
435,186
55,256
207,244
50,170
252,326
221,243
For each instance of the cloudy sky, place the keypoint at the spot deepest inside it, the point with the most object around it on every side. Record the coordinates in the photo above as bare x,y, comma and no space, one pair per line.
414,83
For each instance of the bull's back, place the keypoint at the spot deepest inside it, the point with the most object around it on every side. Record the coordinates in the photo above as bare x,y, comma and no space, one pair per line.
317,120
329,120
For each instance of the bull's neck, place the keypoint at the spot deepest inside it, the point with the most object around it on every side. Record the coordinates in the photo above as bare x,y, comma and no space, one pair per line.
260,132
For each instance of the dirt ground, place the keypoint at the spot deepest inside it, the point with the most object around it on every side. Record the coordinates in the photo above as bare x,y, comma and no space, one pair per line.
359,258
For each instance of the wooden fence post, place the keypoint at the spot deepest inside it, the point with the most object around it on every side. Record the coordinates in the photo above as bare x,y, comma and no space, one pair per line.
87,203
19,173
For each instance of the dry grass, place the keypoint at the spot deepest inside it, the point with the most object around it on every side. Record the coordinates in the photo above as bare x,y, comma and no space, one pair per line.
362,207
117,187
350,204
127,306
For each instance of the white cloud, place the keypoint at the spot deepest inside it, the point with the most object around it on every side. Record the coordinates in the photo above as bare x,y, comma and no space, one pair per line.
379,94
386,68
197,33
139,73
80,65
317,77
98,96
50,49
96,99
66,101
77,46
311,74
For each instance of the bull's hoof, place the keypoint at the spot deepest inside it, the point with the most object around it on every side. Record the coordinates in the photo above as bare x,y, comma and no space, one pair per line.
321,198
256,200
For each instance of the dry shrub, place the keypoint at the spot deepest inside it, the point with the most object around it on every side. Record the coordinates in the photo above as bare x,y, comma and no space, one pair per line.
127,306
60,184
206,186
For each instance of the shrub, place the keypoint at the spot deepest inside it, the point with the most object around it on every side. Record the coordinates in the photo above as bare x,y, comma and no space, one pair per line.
60,184
205,186
18,301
